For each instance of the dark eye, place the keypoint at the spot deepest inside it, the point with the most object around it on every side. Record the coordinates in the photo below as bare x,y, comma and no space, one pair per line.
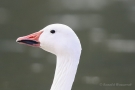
52,31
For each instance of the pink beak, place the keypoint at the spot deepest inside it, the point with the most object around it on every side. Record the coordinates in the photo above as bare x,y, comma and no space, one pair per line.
31,39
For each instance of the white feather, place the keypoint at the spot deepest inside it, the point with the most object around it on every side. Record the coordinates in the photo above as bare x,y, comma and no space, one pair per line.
65,44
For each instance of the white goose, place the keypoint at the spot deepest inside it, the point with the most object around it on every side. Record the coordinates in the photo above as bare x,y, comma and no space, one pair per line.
60,40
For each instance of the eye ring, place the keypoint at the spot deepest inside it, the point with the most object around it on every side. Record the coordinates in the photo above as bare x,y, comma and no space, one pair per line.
52,31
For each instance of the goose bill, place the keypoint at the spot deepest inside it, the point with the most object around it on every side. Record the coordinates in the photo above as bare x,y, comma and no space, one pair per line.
31,39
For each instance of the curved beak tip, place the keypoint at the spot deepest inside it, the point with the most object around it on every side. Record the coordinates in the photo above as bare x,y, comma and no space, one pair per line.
31,40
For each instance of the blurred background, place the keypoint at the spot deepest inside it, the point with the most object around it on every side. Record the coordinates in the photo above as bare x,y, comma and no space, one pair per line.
106,29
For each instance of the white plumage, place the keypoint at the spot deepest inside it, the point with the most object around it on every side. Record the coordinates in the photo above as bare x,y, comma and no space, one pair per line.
60,40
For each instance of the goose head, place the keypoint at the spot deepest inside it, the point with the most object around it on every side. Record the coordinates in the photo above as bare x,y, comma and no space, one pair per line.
62,41
54,38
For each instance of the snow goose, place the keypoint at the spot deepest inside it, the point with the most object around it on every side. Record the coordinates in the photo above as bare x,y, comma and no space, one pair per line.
62,41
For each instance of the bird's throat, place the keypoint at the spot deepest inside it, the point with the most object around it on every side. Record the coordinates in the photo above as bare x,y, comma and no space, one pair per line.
65,73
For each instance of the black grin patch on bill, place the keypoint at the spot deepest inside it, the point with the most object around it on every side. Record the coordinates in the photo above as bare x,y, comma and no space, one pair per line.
30,42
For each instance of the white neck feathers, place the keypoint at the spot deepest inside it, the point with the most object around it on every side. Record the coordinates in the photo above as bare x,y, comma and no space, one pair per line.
65,73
